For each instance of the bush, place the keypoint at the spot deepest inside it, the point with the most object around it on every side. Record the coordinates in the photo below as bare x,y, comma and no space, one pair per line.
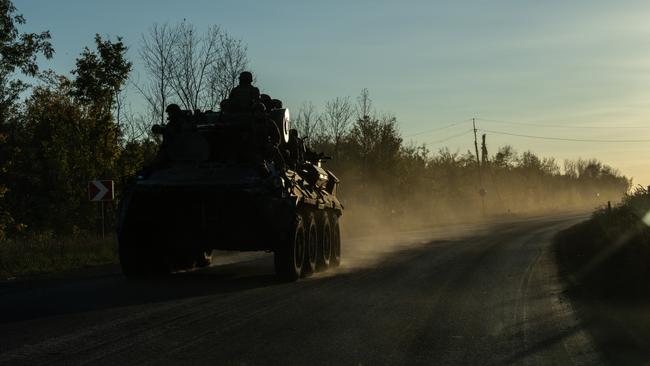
610,253
43,252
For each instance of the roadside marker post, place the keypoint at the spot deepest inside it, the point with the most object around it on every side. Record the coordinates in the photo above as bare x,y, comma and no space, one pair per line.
101,191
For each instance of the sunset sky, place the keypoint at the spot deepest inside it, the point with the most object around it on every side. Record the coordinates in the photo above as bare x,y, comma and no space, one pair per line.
574,70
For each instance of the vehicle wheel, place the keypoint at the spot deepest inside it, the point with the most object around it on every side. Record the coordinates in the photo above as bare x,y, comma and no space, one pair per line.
132,255
335,260
142,254
181,260
159,261
311,254
325,243
290,255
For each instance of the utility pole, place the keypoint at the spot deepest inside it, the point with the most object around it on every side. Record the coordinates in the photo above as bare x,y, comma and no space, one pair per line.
480,173
478,161
484,152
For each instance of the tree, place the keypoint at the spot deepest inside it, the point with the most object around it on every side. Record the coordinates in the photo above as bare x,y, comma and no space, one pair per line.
224,76
68,135
364,105
570,169
376,144
337,119
55,162
156,55
194,70
101,74
505,157
18,51
530,161
193,57
18,54
307,122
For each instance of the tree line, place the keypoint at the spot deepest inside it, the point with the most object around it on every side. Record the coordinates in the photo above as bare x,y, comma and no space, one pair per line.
386,178
57,132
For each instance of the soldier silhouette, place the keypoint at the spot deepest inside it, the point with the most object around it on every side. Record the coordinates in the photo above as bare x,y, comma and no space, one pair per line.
244,96
267,101
174,117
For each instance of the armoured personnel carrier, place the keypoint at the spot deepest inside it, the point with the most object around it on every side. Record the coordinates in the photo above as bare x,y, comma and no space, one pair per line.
239,181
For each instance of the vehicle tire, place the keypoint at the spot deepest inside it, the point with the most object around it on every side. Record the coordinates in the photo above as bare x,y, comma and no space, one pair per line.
335,260
325,242
159,260
311,252
132,256
141,254
290,255
181,261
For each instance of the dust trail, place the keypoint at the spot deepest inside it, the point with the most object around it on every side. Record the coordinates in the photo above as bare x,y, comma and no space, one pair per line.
387,210
367,250
366,240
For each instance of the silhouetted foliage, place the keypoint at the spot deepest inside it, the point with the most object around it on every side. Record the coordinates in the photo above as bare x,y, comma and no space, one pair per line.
609,253
336,120
69,130
308,123
63,135
382,176
18,54
101,74
195,70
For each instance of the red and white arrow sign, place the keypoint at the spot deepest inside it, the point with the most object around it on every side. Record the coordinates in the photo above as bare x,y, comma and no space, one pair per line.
101,190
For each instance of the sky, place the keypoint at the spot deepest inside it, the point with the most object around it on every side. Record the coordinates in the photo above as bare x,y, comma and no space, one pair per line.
561,69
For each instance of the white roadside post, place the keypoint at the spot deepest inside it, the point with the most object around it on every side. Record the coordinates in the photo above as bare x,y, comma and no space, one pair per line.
101,191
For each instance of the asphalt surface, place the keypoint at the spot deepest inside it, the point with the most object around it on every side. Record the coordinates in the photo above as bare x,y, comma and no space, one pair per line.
484,294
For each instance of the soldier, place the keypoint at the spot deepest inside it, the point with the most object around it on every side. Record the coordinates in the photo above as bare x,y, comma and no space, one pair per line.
225,106
267,140
244,96
295,147
174,114
267,101
172,129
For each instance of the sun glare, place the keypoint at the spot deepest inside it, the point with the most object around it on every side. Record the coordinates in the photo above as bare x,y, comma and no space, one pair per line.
646,218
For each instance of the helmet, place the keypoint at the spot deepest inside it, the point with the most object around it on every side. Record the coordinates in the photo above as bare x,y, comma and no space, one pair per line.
246,77
173,109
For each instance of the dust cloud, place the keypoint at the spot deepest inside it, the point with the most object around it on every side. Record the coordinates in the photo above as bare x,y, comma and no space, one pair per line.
374,229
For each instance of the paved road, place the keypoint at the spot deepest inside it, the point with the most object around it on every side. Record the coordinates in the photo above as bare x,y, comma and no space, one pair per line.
484,294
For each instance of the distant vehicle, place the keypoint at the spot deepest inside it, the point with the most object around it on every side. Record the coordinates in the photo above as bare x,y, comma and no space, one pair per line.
238,181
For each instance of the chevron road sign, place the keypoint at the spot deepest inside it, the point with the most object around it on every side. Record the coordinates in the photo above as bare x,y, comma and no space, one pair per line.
101,190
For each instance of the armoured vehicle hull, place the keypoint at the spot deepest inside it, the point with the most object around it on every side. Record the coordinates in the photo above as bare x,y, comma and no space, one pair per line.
213,190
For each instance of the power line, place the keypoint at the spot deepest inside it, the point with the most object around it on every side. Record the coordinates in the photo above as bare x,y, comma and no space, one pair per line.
559,126
564,138
439,128
451,137
552,138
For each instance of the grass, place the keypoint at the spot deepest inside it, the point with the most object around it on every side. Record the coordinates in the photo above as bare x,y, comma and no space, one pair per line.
610,253
606,262
44,253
